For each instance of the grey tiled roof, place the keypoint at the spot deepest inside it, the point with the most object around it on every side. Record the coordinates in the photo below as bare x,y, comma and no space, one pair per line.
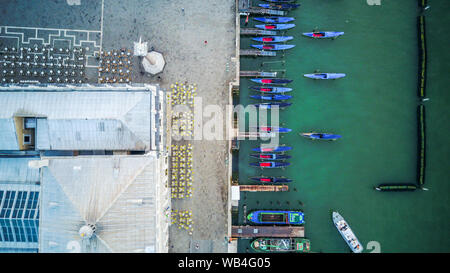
80,120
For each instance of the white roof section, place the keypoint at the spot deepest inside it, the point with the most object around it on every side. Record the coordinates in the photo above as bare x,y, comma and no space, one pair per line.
123,196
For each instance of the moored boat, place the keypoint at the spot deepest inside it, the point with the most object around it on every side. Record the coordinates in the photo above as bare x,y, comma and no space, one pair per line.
270,164
273,47
272,149
275,26
271,97
273,39
279,6
323,34
323,136
271,80
276,217
264,179
346,233
325,76
270,156
271,105
281,245
271,89
274,19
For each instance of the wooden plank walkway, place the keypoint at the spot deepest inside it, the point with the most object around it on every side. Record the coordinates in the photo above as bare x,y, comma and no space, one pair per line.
257,74
257,31
267,231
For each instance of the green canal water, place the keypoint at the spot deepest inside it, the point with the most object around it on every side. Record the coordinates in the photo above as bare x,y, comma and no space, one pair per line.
374,109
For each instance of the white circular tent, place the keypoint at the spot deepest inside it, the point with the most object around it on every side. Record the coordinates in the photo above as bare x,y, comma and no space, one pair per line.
153,62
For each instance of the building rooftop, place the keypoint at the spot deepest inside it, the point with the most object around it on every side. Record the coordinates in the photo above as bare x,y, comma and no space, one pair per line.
16,170
81,120
19,205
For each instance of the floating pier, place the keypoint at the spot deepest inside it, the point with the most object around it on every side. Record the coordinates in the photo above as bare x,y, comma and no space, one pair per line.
421,148
422,55
260,188
257,74
267,231
257,31
256,52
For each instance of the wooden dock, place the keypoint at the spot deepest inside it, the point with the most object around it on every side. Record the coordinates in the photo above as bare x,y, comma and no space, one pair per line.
244,5
259,188
261,74
257,31
267,231
256,53
262,11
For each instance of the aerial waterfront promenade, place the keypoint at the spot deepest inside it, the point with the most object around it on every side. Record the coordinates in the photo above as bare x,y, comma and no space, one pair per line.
197,40
92,154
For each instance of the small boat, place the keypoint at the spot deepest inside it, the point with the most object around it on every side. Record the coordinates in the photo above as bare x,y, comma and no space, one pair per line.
271,80
323,34
279,6
323,136
270,156
270,129
275,26
270,164
276,217
264,179
271,97
396,187
281,245
273,90
271,105
272,149
273,39
347,233
273,47
274,19
325,76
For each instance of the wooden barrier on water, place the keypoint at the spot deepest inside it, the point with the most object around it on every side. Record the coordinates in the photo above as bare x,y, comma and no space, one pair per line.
422,56
421,149
261,188
267,231
396,187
